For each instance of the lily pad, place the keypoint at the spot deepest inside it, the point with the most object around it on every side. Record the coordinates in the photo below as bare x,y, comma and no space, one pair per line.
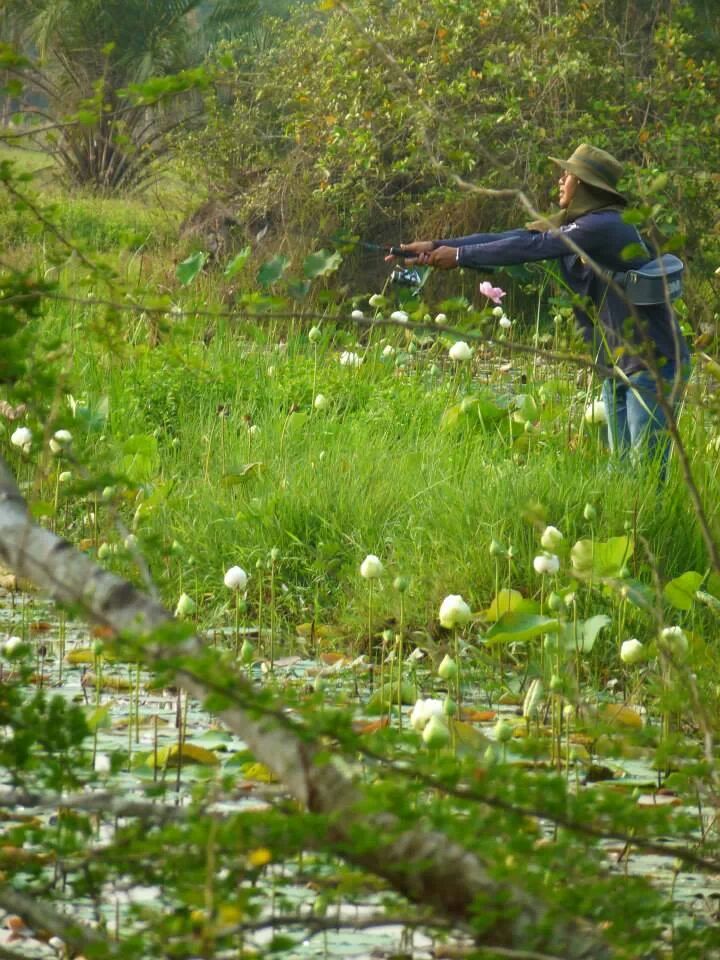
516,627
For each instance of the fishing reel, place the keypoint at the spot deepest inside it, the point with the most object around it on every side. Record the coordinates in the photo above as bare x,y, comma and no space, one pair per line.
406,277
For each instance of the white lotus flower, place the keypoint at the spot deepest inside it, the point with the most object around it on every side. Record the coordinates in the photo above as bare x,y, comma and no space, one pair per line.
460,351
235,578
357,315
551,539
22,438
596,412
546,563
371,568
60,441
454,612
632,651
11,644
399,315
423,710
321,402
349,359
505,322
102,763
675,640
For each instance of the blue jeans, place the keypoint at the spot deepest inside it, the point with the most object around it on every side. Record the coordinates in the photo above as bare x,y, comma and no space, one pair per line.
636,423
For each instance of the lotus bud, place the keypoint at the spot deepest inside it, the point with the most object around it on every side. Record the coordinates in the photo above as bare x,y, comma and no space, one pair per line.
595,412
590,513
441,318
450,708
448,669
315,334
320,402
274,555
435,734
632,651
185,606
498,312
532,699
65,477
555,602
505,322
399,315
104,551
103,763
247,652
551,539
454,612
235,578
376,300
503,731
401,584
357,315
557,684
497,549
60,441
371,568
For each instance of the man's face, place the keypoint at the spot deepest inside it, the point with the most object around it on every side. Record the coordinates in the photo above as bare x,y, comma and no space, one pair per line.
568,185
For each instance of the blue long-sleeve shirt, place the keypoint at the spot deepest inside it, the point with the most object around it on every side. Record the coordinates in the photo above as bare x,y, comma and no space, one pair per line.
602,235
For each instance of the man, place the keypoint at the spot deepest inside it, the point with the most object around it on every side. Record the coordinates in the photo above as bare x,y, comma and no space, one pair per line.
638,340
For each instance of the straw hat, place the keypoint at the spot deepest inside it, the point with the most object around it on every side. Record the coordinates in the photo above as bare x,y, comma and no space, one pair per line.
595,167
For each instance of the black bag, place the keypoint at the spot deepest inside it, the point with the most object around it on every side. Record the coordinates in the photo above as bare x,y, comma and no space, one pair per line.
656,282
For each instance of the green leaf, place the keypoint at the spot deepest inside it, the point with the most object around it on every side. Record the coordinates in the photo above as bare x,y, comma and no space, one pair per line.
271,271
140,458
237,262
601,558
234,477
321,264
509,601
516,627
191,267
387,696
680,592
582,636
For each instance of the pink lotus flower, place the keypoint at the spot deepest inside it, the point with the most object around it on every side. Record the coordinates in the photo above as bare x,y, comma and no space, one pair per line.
492,293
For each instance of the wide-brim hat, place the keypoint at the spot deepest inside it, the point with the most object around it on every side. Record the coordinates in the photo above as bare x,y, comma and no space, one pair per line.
594,166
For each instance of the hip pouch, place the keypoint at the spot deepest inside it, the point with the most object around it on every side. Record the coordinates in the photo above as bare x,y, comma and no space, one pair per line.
656,282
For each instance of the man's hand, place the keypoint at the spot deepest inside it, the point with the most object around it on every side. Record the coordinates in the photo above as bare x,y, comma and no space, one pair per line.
416,251
442,258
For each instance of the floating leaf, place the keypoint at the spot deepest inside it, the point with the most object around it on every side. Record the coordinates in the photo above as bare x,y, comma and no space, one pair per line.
387,696
516,627
619,715
601,558
259,772
451,417
680,592
191,267
271,271
190,753
468,736
321,264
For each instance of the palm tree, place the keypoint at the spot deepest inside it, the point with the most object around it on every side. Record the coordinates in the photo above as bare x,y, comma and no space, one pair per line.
87,54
